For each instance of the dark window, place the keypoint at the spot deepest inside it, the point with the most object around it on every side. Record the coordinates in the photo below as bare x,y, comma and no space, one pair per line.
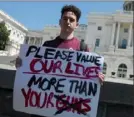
97,43
126,30
26,40
124,44
122,71
32,41
104,68
99,28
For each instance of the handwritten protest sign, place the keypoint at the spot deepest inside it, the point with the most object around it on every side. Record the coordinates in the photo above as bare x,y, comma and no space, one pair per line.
56,82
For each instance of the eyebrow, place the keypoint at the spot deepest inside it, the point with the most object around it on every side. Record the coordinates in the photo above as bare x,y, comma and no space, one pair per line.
68,17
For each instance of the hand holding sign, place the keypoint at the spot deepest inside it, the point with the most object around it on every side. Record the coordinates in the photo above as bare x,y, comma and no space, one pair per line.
18,62
57,82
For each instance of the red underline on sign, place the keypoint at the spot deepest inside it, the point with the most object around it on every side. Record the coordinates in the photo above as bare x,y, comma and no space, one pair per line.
80,77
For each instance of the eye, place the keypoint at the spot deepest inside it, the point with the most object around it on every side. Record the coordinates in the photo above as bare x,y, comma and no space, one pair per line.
72,20
65,19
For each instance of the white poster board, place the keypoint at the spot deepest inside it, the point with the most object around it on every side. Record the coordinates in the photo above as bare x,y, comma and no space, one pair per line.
56,82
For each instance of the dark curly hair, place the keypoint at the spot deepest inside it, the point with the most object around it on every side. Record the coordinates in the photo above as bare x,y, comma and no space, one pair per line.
73,9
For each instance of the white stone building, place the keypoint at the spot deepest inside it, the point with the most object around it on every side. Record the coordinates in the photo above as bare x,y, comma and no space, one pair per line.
111,36
17,34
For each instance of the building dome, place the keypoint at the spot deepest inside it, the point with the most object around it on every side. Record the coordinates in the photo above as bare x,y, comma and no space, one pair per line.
128,6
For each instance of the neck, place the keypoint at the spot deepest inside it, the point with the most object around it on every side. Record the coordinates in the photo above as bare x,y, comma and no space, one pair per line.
66,36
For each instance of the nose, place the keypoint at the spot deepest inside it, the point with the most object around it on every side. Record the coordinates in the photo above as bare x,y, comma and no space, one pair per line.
68,21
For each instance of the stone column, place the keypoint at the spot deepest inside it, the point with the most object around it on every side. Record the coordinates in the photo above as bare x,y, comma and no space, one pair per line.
129,36
117,36
113,34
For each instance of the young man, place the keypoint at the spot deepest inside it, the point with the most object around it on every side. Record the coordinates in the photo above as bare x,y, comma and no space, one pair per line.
68,22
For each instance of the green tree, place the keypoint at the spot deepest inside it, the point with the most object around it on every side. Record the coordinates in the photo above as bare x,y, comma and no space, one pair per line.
4,35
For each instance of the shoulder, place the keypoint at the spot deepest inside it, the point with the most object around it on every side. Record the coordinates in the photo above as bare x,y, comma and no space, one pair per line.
77,41
50,43
82,45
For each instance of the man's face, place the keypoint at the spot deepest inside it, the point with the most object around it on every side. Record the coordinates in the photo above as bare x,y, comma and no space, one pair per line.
68,22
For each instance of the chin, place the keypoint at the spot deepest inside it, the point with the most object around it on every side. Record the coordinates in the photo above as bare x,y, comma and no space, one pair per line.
69,30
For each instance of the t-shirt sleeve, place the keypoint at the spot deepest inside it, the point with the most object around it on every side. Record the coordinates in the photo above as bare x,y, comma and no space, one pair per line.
45,43
52,43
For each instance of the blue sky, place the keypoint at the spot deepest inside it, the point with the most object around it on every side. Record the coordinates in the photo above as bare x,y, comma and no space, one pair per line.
35,15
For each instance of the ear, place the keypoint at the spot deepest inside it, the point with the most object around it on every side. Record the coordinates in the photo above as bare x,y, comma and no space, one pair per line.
77,24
